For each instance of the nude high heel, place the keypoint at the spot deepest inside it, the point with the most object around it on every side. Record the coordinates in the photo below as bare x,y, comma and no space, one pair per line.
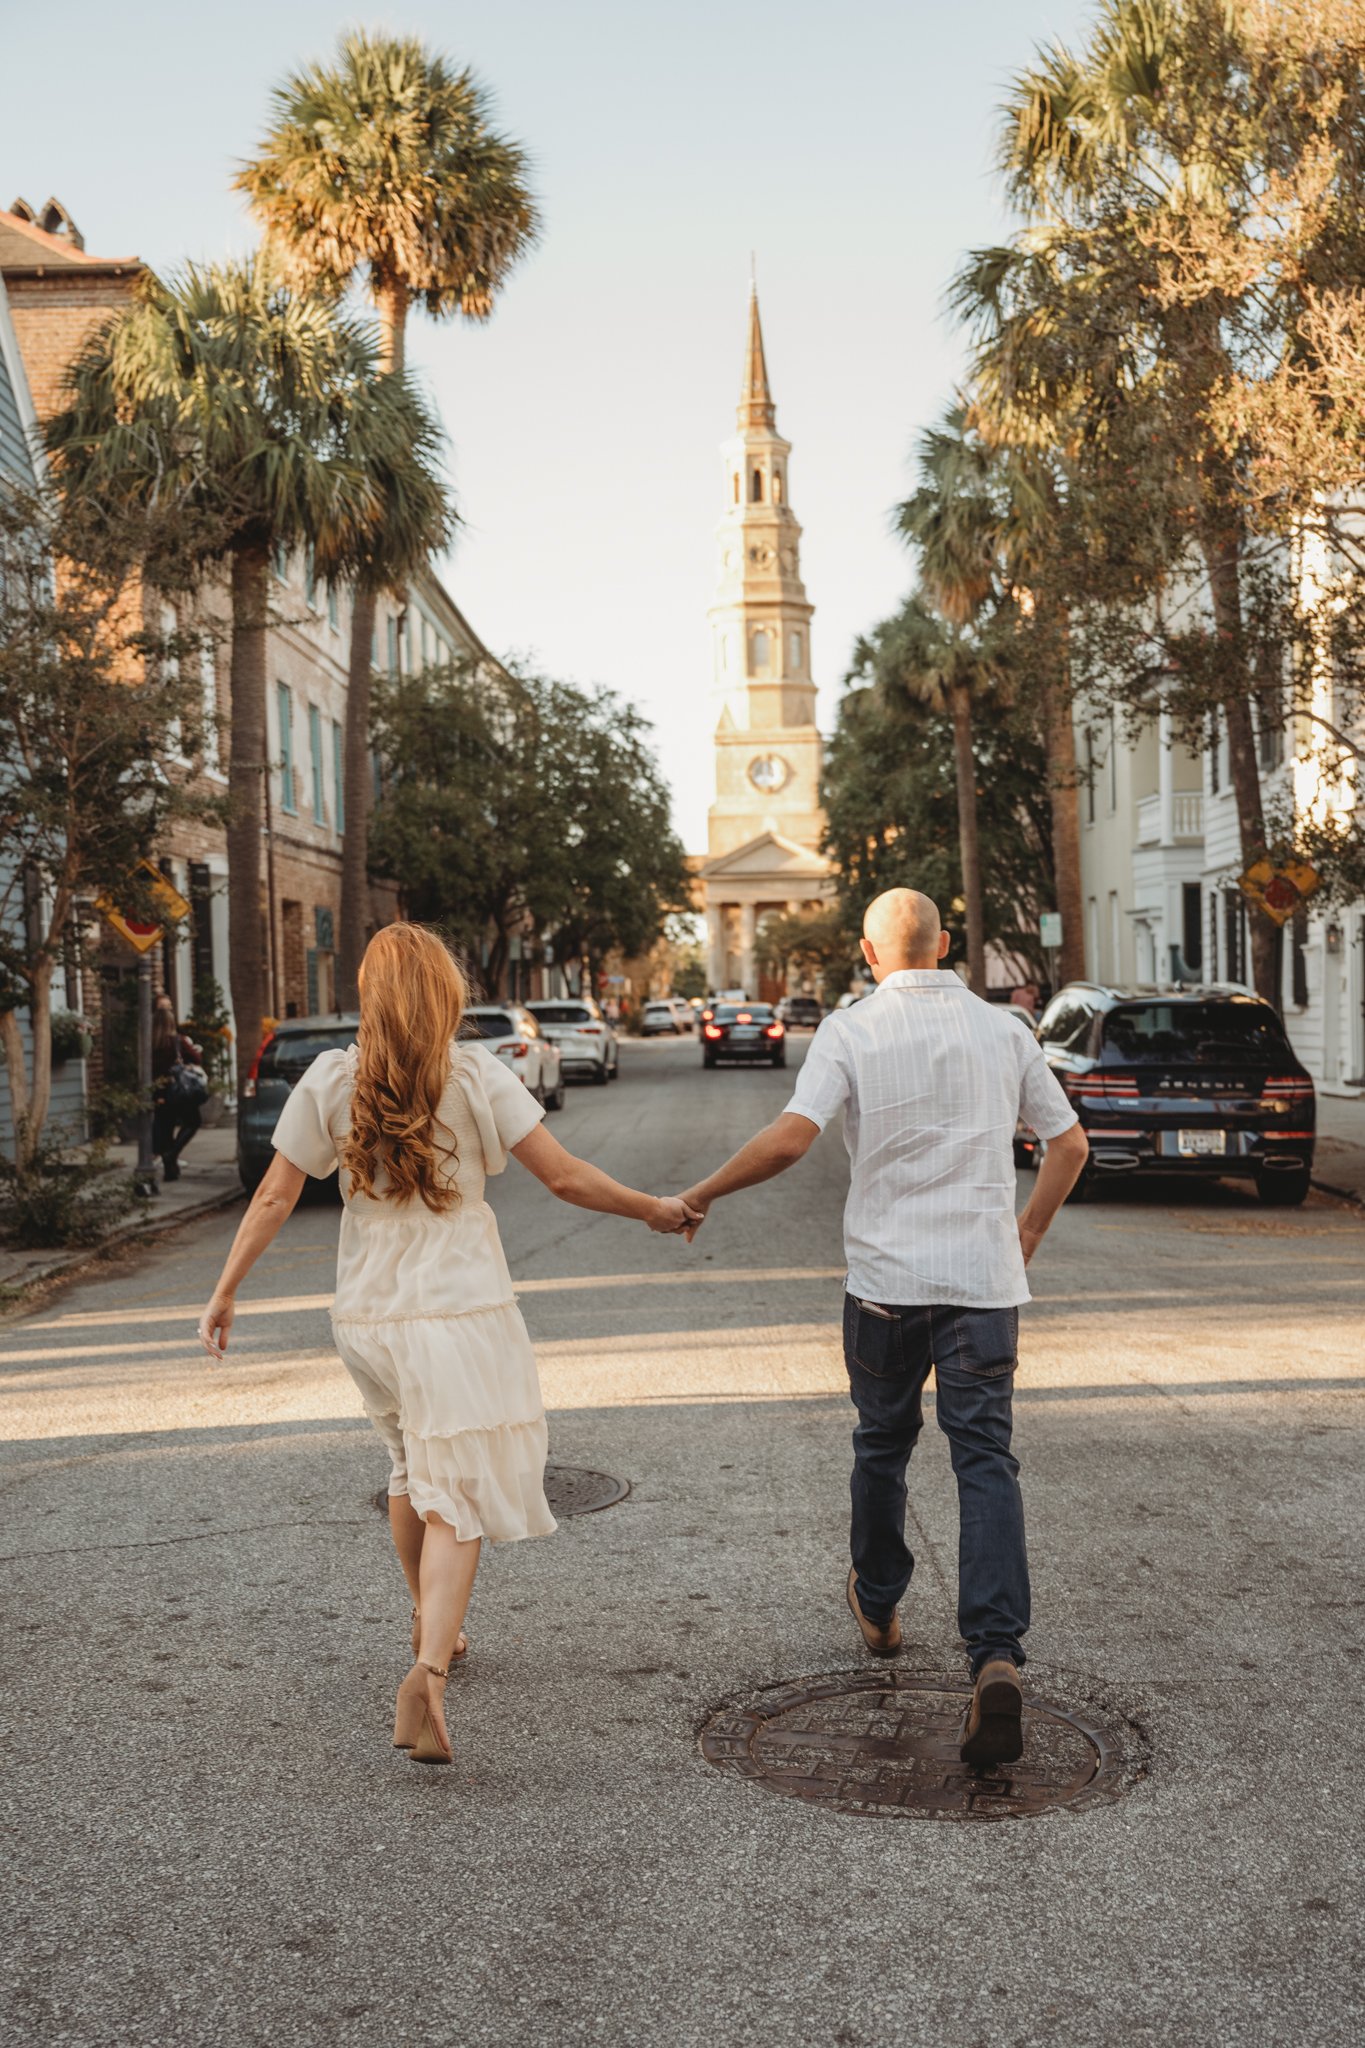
428,1748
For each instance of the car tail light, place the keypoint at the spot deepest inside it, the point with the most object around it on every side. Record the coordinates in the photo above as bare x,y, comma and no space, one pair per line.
249,1085
590,1030
712,1031
776,1031
707,1015
1114,1087
516,1051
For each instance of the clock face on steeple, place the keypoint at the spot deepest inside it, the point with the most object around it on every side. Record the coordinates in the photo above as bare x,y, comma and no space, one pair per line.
769,773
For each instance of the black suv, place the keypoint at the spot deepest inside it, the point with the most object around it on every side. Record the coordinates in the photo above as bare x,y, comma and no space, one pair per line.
282,1061
1189,1080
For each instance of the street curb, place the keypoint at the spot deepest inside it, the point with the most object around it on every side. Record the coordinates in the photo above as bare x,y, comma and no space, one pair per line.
137,1227
1351,1195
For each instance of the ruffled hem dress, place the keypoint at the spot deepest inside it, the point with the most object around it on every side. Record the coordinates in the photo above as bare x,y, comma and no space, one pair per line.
424,1317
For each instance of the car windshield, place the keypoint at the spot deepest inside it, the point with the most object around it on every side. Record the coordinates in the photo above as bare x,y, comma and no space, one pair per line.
759,1012
489,1024
561,1013
290,1053
1206,1032
658,1010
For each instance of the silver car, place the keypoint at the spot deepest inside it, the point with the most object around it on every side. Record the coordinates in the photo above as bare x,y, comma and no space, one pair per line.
587,1044
510,1031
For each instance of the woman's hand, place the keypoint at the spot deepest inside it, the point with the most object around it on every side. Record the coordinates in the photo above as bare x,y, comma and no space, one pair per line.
215,1324
671,1216
697,1209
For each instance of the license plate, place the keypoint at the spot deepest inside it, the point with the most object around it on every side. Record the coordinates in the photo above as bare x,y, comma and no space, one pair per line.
744,1031
1201,1144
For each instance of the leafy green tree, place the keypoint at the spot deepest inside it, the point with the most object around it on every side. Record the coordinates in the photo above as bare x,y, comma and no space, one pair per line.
510,801
1177,312
386,163
259,414
99,732
890,800
816,944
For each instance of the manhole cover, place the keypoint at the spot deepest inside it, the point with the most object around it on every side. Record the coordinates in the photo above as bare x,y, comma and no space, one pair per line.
570,1490
886,1743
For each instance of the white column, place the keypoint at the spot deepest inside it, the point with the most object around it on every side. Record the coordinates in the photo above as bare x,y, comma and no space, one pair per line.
748,966
1165,777
715,945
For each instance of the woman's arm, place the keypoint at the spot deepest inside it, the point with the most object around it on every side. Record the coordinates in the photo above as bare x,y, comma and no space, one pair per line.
268,1208
587,1187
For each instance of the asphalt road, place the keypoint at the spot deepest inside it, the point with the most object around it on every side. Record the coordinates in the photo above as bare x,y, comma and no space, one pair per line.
210,1840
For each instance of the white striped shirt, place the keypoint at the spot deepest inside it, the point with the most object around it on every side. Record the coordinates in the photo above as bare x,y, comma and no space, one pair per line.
931,1081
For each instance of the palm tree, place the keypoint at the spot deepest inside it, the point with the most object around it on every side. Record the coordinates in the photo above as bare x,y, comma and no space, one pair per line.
941,637
386,163
261,412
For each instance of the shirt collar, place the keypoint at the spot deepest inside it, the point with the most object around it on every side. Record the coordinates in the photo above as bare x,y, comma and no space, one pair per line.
921,977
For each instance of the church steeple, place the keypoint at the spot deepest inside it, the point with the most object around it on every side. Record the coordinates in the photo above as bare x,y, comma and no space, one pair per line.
756,408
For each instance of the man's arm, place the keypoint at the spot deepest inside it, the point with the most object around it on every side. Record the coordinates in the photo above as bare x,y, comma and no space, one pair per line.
771,1151
1063,1163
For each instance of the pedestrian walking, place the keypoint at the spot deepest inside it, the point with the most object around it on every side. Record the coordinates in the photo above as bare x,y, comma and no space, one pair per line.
930,1082
179,1088
424,1317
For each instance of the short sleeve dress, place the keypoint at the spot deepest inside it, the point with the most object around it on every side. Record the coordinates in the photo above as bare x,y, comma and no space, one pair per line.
424,1317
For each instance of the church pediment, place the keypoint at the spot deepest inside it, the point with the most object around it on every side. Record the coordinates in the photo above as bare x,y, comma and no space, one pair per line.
769,854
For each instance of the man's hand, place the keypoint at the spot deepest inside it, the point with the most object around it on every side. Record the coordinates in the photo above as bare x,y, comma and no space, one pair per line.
1029,1239
672,1217
699,1210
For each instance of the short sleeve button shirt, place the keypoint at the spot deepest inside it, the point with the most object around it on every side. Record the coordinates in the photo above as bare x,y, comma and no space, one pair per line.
931,1082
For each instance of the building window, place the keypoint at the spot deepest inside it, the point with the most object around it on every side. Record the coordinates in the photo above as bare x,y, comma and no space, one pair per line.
756,487
393,647
734,487
284,703
1270,728
1215,740
280,562
310,577
1113,768
1192,928
338,777
315,762
759,652
333,608
1232,934
777,487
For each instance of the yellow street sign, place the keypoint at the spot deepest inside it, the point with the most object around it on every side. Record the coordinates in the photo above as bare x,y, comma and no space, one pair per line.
1279,889
140,934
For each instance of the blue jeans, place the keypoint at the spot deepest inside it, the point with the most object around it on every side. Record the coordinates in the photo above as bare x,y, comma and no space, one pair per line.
889,1351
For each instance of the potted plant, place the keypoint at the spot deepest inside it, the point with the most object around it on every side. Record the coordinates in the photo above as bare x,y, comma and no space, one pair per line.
72,1038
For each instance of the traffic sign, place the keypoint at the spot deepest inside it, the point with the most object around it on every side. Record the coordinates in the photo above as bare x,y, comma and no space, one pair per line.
141,934
1279,889
1050,929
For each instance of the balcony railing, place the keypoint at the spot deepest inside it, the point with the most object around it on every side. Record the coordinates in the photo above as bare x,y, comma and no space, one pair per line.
1187,819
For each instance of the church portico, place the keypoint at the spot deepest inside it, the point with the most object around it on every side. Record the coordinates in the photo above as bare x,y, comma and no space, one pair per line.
766,823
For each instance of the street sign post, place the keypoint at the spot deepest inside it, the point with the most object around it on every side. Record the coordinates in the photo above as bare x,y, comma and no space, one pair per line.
1050,934
142,934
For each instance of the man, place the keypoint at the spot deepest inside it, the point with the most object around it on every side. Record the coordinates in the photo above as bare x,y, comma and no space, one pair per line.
931,1081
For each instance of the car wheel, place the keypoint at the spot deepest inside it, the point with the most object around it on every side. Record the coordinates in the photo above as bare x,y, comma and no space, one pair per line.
601,1077
708,1059
613,1072
779,1059
556,1101
1284,1190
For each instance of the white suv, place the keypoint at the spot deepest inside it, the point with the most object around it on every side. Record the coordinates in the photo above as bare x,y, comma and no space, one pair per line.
667,1015
510,1031
587,1044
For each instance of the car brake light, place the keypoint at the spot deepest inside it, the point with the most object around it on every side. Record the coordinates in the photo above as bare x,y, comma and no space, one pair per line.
515,1052
1123,1087
775,1031
249,1085
712,1031
590,1030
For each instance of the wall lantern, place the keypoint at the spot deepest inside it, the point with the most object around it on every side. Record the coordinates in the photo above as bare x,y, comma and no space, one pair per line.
1334,937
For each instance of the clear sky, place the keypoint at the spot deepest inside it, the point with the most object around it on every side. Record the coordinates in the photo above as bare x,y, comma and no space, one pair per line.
847,142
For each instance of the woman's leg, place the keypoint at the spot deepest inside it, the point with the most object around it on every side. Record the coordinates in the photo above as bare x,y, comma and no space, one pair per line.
186,1124
445,1582
407,1529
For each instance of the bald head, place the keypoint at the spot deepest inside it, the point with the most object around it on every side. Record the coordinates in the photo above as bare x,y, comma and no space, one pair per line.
901,928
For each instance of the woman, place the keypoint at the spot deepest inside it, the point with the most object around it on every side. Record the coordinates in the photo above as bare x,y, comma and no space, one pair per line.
423,1316
175,1119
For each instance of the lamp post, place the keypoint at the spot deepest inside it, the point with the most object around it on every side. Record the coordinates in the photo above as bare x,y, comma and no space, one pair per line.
144,1174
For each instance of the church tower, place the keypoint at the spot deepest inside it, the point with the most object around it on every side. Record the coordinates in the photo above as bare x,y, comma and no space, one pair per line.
765,825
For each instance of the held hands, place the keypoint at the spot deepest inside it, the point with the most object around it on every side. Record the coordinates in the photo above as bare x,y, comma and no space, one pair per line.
672,1216
215,1324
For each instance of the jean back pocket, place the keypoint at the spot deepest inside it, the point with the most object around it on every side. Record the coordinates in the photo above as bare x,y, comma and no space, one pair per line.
873,1338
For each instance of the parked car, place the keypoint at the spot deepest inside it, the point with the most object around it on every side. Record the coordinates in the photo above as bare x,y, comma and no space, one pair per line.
284,1058
665,1016
1188,1081
510,1031
751,1032
802,1013
587,1043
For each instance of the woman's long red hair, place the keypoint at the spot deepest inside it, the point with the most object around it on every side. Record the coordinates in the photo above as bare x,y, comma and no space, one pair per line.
412,998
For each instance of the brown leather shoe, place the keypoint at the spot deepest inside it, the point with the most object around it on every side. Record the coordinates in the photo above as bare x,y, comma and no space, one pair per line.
883,1642
994,1728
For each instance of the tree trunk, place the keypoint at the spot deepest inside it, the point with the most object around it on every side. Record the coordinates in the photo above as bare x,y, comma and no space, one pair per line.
964,762
246,765
40,1091
1063,788
12,1039
391,303
1222,557
358,789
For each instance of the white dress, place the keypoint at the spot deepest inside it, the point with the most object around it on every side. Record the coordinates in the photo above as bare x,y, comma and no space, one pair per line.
424,1317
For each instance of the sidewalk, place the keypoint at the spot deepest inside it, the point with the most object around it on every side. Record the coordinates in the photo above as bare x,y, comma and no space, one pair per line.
1339,1161
208,1180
